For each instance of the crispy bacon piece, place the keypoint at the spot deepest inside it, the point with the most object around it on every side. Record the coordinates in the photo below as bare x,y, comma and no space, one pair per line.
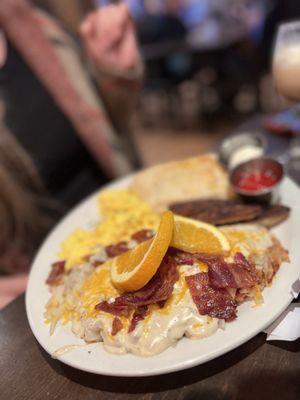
95,263
113,308
56,273
157,290
216,303
239,274
142,235
161,304
138,316
182,258
116,326
114,250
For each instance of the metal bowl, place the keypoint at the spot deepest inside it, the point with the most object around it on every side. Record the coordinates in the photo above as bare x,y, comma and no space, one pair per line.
232,143
261,164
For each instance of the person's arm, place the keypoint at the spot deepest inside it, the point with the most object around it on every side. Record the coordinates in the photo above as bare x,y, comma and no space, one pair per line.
11,287
110,42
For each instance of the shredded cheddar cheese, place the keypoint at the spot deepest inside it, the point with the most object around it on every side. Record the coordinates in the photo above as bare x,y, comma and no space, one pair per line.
96,288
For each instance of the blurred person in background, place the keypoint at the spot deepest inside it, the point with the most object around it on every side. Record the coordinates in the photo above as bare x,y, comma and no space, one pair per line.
64,128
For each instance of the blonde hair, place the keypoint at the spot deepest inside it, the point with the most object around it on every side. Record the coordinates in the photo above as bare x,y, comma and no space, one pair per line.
24,205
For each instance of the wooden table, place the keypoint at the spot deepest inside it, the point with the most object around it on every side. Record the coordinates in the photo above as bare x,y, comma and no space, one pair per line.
256,370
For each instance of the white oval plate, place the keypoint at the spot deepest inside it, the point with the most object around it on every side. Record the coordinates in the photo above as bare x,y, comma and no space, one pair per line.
187,353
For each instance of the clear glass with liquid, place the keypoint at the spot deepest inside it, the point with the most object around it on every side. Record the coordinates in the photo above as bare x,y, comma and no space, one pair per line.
286,61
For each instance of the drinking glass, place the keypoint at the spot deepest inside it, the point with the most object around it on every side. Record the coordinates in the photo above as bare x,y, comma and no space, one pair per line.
286,61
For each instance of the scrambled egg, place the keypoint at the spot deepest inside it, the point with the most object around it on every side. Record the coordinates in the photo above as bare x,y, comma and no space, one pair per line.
123,213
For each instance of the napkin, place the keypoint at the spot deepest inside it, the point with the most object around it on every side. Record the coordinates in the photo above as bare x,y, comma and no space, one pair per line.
287,326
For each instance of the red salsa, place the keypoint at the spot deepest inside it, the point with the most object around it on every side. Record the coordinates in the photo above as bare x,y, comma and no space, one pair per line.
256,180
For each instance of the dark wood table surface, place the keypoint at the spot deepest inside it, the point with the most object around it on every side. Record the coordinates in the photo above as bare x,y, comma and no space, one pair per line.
256,370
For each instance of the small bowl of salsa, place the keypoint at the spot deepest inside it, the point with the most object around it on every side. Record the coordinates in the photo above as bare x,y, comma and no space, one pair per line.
257,179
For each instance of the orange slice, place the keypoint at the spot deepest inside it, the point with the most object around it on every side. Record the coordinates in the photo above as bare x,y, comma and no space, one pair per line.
198,237
134,269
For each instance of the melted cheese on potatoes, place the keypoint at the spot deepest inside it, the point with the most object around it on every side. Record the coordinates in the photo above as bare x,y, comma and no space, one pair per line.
249,239
161,328
83,287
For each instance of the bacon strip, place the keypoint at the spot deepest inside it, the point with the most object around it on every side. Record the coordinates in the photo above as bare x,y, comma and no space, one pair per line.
114,250
143,235
116,326
239,274
113,308
157,290
138,316
216,303
56,273
182,258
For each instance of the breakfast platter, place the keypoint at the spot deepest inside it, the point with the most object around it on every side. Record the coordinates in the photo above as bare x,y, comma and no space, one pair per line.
165,270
